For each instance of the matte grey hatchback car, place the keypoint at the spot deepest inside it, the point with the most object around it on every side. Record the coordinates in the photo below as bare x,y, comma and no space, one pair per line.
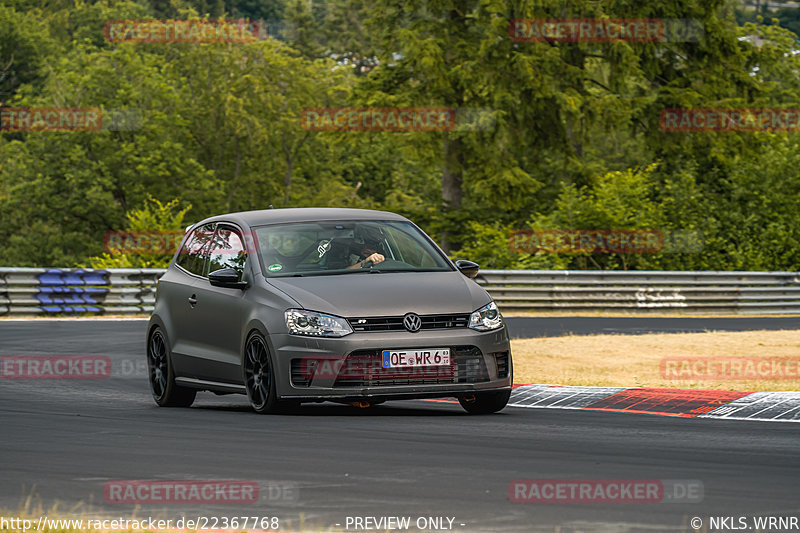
310,305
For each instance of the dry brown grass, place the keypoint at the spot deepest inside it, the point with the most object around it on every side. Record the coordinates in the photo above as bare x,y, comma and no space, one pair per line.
635,360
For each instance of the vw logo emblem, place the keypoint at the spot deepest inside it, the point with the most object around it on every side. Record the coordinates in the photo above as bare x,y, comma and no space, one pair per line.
412,322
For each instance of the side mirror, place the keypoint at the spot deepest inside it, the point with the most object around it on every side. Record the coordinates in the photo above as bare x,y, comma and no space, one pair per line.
468,268
227,278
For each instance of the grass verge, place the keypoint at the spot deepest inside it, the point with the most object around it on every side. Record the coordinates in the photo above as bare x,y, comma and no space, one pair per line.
636,360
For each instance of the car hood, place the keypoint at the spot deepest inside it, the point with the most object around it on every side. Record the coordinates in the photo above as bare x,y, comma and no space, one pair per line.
385,294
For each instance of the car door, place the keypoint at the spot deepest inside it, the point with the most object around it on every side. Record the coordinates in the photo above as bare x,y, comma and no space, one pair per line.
218,316
179,290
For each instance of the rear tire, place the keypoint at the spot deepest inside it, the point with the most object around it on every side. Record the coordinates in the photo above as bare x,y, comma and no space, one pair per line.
259,379
486,402
161,375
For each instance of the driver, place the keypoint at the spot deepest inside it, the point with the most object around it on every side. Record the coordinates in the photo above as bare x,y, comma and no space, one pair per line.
367,253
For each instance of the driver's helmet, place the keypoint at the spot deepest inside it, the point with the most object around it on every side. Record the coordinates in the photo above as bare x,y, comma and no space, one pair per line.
367,237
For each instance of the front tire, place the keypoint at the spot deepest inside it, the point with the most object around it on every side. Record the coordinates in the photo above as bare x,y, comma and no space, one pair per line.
161,375
259,378
486,402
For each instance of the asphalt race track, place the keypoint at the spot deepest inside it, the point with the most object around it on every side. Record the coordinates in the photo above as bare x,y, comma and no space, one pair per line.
527,327
62,440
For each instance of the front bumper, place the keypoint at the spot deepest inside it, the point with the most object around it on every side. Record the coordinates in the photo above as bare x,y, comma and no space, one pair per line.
347,368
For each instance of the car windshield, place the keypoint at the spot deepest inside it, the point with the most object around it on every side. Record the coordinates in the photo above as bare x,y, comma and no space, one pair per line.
343,247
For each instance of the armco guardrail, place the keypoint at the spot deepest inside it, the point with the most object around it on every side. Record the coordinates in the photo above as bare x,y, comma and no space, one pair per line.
642,291
67,291
47,291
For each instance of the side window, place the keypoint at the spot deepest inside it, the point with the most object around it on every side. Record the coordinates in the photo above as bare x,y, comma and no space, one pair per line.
226,251
192,257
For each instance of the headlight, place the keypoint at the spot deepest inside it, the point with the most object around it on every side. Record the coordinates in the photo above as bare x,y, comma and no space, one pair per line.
486,318
301,322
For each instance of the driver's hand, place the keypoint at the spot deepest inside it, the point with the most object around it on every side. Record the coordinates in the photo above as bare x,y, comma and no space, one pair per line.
375,258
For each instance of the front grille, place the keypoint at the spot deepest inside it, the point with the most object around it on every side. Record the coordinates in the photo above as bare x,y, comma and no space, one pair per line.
502,364
395,323
362,368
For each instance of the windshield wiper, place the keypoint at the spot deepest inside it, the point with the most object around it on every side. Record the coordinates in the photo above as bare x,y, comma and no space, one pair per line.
321,273
356,271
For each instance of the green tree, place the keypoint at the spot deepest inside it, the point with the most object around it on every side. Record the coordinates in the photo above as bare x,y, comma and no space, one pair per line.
154,219
64,190
24,47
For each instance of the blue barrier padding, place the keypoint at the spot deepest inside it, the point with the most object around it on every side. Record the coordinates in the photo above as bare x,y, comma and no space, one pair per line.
70,309
95,290
65,291
57,276
51,277
97,277
70,295
65,296
73,278
60,289
77,290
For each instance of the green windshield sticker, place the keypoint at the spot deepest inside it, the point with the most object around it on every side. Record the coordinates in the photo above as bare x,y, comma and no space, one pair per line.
275,267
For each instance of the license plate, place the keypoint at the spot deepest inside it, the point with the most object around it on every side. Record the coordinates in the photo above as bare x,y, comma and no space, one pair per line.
416,357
